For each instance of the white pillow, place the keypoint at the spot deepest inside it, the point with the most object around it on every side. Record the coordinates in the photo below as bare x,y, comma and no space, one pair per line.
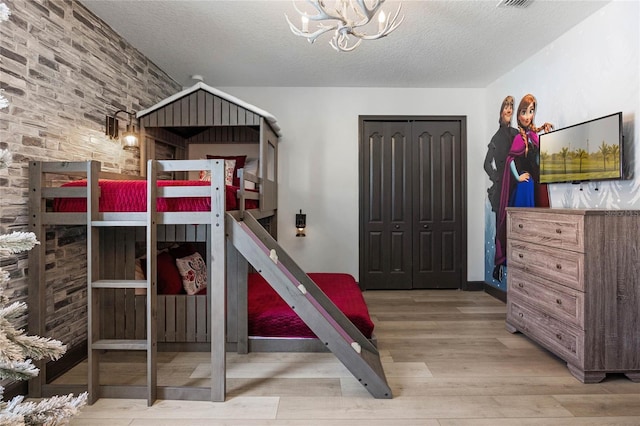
251,166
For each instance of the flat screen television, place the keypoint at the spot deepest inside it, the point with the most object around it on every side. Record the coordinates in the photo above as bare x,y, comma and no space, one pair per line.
583,152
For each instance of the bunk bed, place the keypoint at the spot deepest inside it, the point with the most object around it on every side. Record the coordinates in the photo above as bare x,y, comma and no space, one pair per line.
125,311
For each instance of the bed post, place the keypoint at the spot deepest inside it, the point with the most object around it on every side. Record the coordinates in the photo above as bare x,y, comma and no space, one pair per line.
217,274
37,284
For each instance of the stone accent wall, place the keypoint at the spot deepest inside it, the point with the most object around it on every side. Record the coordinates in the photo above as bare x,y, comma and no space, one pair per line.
63,70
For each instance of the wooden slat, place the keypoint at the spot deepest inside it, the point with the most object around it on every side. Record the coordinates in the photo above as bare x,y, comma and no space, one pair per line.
64,192
201,110
161,318
119,283
107,268
217,111
233,114
130,314
184,111
209,113
63,218
170,318
140,317
192,102
181,316
191,318
201,319
180,232
120,344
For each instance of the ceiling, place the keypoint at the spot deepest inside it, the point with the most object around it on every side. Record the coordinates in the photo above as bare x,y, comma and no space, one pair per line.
451,44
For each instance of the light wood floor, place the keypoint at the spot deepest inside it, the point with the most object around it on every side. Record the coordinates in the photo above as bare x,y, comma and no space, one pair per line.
447,357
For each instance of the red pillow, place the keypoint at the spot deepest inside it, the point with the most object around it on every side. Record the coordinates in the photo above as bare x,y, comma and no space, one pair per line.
240,160
169,279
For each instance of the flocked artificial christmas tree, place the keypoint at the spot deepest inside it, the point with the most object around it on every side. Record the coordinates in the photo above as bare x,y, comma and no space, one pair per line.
17,350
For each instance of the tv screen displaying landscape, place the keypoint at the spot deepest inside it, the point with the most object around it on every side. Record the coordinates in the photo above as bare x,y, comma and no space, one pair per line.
587,151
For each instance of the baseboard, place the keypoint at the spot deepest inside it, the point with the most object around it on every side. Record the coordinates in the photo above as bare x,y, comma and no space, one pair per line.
498,294
473,286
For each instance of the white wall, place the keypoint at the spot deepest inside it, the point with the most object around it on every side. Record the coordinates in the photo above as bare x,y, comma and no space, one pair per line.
590,71
318,163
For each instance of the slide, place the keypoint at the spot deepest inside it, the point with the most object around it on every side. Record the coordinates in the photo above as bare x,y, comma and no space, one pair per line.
331,326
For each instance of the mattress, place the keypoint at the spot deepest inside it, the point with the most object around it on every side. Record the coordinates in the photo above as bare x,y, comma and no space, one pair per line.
131,196
270,316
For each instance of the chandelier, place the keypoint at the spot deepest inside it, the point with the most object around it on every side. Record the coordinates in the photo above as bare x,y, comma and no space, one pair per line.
346,18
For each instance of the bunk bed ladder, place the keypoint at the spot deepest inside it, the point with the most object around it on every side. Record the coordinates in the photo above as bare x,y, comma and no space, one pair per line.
96,285
331,326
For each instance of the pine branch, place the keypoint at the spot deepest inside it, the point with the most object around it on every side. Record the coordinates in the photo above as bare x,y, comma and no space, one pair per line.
18,370
52,411
17,241
35,347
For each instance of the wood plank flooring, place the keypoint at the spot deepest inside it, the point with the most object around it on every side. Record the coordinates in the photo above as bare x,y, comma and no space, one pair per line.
447,357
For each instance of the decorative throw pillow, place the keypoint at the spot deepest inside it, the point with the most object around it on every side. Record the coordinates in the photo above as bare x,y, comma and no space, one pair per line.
240,160
169,279
229,170
193,271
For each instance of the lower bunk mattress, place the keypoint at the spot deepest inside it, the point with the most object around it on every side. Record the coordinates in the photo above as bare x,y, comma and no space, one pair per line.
270,316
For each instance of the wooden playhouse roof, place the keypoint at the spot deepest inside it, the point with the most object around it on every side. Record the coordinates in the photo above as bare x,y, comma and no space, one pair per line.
202,105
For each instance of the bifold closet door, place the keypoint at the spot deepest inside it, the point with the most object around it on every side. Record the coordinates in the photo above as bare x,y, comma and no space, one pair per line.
386,253
412,198
438,212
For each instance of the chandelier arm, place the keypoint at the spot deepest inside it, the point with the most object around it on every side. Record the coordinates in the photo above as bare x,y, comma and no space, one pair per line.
311,37
322,13
390,26
365,11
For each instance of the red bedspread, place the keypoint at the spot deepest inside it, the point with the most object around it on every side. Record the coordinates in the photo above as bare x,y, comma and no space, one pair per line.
131,196
270,316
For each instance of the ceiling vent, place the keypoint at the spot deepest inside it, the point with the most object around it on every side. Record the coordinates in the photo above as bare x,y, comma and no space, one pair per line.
514,3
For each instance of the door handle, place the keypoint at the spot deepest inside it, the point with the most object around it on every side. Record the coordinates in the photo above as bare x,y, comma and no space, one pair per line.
397,226
425,226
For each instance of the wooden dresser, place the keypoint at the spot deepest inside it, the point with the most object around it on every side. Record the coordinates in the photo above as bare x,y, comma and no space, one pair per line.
573,286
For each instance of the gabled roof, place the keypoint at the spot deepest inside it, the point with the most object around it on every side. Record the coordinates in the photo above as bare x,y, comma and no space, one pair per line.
241,111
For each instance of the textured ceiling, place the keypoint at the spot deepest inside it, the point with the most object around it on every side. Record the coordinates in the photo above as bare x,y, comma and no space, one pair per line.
248,43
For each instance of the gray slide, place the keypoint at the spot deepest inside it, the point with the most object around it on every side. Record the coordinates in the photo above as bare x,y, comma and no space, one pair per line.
331,326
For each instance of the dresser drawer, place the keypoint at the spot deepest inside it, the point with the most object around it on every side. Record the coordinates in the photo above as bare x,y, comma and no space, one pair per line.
552,230
563,340
564,303
561,266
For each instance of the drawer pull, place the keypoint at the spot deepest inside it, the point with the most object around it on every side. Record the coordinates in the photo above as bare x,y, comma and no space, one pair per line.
521,256
520,226
520,314
558,266
559,336
559,301
521,285
558,231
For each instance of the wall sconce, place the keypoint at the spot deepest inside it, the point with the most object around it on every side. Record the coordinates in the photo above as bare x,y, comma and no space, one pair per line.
301,223
129,137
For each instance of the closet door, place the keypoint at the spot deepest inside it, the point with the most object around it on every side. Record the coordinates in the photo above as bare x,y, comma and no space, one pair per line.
412,202
438,212
386,206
